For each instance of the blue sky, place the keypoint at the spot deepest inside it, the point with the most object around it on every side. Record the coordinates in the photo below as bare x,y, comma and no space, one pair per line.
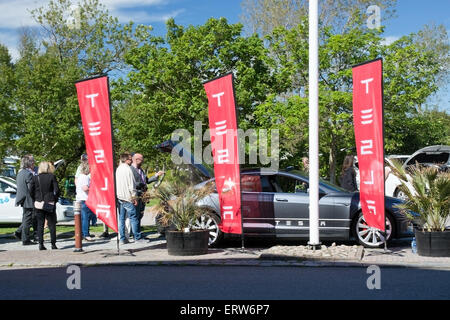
411,16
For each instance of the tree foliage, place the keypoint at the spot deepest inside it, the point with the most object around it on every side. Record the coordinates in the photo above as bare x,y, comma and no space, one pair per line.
51,61
264,16
8,121
164,90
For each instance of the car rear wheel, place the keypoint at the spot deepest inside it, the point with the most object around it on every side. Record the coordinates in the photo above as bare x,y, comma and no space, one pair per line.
371,237
210,221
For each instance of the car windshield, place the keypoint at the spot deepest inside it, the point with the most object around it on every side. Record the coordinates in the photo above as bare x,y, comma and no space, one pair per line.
430,157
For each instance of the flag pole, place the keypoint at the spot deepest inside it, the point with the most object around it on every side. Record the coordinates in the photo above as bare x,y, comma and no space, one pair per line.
114,168
313,124
384,171
239,163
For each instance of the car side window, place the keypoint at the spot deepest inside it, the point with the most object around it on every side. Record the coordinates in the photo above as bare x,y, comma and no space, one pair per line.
290,185
251,183
266,185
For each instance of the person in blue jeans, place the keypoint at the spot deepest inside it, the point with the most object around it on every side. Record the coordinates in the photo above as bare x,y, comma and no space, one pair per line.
82,190
126,194
128,209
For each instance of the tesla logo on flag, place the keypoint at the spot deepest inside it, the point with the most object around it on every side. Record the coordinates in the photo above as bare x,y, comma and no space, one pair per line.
366,146
228,212
94,128
103,209
217,96
222,156
366,116
99,156
368,123
224,145
92,98
221,127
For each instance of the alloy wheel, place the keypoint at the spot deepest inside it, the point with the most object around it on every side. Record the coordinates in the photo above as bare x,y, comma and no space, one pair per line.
371,237
207,222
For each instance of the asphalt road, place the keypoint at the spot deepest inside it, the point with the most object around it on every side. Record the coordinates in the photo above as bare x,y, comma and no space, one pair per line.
224,283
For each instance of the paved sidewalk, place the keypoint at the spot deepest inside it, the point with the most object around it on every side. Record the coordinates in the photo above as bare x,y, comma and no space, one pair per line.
104,252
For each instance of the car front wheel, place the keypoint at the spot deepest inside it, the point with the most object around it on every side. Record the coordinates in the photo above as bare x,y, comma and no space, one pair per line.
371,237
210,221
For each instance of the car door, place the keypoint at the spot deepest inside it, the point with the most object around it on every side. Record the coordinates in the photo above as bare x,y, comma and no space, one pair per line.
8,211
291,203
257,205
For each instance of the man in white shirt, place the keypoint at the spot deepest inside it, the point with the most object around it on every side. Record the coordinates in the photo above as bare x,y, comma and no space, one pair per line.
126,195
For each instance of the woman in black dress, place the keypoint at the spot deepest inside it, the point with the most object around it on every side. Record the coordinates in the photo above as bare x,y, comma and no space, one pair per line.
348,175
44,187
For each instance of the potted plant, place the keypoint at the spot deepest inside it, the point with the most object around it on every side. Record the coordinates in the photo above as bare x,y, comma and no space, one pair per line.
427,203
177,208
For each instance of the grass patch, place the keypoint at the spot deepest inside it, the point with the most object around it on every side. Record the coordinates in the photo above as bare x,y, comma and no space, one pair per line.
8,229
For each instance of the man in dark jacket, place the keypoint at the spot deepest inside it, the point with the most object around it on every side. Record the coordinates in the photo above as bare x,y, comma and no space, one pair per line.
24,199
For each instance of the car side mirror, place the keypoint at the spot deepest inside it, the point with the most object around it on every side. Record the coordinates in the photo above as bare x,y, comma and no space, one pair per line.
10,190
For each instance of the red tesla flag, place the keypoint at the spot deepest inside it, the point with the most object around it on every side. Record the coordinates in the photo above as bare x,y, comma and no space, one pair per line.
93,98
368,122
224,143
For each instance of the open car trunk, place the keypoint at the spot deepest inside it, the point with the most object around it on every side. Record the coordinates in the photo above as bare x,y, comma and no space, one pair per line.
201,170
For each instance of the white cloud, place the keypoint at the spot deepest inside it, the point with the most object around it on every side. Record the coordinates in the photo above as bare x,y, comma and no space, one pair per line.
114,4
15,14
10,39
144,17
389,40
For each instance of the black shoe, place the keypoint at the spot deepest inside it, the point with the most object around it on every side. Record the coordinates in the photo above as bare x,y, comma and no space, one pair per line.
104,235
18,235
54,247
124,241
28,243
41,247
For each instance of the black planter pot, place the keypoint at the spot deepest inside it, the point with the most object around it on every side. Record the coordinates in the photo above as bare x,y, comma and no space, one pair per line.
433,244
187,243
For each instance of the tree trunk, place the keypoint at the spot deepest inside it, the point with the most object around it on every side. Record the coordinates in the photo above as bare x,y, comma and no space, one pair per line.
332,162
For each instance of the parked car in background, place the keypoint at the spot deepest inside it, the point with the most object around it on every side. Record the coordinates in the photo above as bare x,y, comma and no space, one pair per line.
8,168
433,156
9,213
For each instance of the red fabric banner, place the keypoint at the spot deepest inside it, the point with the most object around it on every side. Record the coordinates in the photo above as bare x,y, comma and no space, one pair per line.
224,143
93,98
368,123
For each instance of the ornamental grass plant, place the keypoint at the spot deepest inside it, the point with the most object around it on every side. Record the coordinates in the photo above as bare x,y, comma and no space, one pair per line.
428,195
177,202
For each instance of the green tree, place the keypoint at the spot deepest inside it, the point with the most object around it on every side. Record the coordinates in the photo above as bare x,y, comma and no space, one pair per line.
8,110
410,77
164,90
264,16
50,62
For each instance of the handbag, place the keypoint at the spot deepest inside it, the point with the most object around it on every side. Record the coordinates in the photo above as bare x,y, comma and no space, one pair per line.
48,206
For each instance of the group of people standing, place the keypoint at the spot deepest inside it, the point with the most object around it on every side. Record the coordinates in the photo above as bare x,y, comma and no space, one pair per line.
37,194
131,183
